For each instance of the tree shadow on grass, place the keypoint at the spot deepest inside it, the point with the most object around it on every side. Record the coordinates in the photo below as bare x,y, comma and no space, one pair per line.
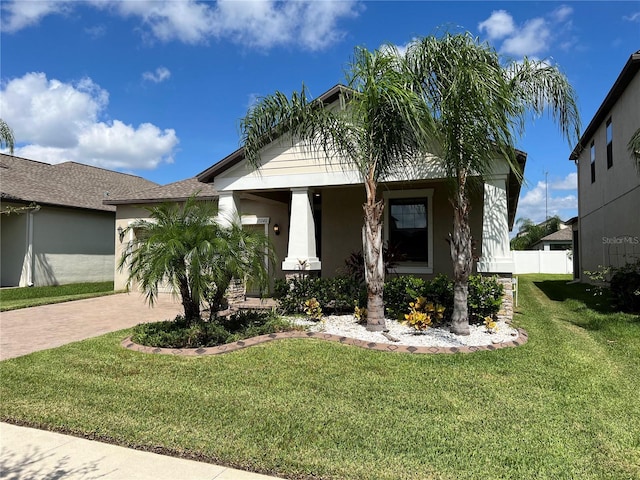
591,296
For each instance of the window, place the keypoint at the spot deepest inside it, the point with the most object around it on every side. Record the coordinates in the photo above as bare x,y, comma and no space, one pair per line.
408,228
609,144
593,161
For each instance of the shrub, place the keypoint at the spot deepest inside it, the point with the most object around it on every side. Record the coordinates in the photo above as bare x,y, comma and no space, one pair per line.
625,287
333,294
313,309
423,314
485,296
398,292
182,334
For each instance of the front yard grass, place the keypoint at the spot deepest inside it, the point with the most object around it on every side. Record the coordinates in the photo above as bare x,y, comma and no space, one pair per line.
23,297
563,406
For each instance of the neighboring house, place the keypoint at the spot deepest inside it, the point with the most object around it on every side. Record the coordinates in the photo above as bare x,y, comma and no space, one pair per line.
133,206
312,210
608,182
559,240
54,228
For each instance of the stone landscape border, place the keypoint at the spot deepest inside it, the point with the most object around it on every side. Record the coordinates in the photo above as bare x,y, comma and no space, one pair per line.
523,337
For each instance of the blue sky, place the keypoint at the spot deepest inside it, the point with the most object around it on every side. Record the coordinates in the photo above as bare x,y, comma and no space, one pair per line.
157,88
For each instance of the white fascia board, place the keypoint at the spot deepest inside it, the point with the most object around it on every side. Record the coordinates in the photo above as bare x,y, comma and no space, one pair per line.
258,182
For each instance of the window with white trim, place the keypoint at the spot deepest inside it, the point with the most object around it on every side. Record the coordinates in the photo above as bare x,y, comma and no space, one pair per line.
408,228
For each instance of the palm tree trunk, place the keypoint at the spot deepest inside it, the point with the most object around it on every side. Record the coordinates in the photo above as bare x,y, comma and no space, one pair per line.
461,254
373,261
191,306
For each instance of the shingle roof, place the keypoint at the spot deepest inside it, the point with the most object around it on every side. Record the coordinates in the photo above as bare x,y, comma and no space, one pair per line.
68,184
562,235
171,192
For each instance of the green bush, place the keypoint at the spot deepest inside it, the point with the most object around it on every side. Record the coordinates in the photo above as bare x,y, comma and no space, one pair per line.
485,296
398,292
625,287
179,334
335,295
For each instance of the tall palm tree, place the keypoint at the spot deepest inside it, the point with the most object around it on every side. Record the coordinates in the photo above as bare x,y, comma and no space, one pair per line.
183,246
480,105
6,136
377,130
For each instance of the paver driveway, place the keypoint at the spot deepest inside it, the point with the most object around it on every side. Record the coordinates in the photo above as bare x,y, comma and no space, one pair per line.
48,326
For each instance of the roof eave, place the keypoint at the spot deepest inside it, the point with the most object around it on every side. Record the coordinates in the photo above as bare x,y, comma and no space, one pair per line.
236,157
621,83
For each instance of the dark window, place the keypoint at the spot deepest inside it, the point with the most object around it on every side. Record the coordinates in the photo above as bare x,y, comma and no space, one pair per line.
609,144
593,161
408,227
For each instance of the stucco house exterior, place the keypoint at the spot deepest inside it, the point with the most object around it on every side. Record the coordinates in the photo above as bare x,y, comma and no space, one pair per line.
54,228
608,228
312,210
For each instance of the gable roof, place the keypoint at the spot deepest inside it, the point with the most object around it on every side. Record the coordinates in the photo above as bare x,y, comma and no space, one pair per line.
562,235
236,157
67,184
624,79
176,191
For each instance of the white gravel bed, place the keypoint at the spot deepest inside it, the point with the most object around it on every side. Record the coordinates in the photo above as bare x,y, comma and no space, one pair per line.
346,326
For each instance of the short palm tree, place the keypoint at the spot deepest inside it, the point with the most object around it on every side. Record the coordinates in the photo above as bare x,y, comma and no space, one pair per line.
479,105
182,246
6,136
377,130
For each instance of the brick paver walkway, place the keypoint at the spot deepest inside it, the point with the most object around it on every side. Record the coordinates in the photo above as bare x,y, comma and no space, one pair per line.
40,328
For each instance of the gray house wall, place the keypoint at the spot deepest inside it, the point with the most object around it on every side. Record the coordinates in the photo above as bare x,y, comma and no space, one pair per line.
608,207
65,245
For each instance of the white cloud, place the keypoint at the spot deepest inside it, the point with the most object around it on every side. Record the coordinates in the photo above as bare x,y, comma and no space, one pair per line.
634,17
570,182
17,15
498,25
96,31
160,75
539,201
55,122
534,36
531,39
562,13
256,23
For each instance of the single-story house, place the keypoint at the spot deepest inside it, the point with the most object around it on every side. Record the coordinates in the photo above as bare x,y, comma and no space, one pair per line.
54,228
559,240
312,210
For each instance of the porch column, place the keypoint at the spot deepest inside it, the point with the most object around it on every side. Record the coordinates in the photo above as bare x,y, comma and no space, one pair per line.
228,209
301,254
496,251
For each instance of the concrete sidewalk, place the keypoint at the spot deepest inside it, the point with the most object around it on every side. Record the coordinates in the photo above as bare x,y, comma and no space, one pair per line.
27,453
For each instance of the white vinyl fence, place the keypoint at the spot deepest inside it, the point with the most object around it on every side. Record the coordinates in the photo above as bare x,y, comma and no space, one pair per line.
542,261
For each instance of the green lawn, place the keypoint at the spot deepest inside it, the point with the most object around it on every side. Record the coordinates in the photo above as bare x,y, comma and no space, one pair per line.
563,406
23,297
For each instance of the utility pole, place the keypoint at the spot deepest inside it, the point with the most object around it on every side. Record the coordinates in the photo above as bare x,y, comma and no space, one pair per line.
546,195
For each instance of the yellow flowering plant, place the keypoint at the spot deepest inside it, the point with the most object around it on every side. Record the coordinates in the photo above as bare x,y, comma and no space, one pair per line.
313,309
490,325
423,314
